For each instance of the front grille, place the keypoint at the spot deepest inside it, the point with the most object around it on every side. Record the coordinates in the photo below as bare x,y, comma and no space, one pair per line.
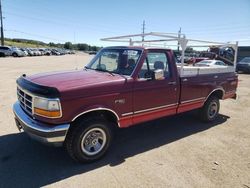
25,100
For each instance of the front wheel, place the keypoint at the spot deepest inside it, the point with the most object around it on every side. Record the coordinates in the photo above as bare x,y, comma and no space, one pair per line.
15,55
88,140
210,110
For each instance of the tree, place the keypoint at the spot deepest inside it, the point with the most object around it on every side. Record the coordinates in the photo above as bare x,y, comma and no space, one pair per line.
52,44
94,48
189,50
68,45
82,46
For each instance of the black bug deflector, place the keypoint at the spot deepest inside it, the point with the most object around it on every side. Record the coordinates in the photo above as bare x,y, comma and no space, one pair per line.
36,89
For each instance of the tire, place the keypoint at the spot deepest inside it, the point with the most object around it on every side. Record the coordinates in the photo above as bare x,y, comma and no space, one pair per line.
209,112
15,55
2,54
88,140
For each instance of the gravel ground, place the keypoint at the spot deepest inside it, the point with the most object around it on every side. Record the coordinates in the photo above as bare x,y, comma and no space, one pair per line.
177,151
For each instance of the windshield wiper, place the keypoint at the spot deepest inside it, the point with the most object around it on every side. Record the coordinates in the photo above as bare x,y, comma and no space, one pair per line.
102,70
98,69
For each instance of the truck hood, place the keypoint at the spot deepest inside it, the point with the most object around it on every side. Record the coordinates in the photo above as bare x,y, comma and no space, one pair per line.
68,80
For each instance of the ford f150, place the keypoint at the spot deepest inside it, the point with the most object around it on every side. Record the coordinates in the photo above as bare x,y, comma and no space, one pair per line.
120,87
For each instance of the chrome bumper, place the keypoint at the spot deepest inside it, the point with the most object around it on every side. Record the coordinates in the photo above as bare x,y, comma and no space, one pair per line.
49,134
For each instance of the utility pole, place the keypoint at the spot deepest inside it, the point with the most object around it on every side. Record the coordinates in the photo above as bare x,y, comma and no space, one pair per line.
143,30
1,17
179,35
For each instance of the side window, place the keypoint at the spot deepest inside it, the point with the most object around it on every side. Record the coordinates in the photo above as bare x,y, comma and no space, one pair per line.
219,63
222,63
154,61
145,71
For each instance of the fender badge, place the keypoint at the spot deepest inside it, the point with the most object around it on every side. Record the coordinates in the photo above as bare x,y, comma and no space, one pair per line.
120,101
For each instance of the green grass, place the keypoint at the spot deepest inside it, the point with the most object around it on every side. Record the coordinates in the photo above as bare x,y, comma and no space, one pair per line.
23,44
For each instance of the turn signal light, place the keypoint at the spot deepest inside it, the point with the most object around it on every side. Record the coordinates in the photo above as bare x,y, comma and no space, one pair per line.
46,113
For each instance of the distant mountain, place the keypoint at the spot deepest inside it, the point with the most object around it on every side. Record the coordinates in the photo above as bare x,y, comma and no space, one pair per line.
27,41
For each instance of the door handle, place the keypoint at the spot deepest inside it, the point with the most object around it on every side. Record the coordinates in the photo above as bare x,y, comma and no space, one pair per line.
171,83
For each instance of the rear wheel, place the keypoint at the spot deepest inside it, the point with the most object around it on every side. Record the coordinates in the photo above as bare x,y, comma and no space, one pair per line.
14,54
210,110
89,139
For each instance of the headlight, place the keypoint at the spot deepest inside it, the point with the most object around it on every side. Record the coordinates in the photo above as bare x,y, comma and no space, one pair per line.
50,108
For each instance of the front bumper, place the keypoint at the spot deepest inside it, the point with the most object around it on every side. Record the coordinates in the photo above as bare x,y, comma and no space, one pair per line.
49,134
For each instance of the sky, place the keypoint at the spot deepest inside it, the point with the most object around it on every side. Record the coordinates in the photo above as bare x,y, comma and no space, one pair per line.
81,21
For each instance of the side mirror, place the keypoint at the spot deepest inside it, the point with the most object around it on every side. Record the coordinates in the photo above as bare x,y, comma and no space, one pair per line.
158,74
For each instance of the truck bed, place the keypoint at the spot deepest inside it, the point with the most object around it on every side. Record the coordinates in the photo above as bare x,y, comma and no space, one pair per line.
195,71
197,84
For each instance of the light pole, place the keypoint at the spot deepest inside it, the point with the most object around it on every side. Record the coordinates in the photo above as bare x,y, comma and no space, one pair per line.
2,36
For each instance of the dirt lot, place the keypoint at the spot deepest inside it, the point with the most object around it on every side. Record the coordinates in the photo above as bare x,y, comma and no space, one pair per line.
171,152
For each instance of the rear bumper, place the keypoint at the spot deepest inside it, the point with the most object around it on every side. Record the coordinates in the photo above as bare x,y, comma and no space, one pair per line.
230,95
48,134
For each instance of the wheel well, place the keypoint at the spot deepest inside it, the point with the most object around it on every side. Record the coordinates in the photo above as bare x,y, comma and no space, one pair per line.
217,93
108,115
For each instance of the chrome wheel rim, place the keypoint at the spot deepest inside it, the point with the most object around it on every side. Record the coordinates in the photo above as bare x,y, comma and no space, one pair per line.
93,141
213,110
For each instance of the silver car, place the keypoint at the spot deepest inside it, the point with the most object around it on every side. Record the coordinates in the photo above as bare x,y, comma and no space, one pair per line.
210,63
5,51
16,52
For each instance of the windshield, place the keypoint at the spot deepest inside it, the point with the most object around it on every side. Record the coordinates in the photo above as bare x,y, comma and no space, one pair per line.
120,61
14,48
245,60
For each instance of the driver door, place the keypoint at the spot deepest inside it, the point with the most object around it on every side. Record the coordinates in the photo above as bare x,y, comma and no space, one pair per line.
154,98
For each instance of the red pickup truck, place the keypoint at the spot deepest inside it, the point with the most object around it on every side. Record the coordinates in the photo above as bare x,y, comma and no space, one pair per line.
120,87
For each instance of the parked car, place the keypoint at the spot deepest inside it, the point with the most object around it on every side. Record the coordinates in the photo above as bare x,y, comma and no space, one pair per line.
80,108
92,52
16,52
243,65
227,52
24,51
47,52
30,52
36,52
42,51
61,51
210,63
55,52
39,53
5,51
